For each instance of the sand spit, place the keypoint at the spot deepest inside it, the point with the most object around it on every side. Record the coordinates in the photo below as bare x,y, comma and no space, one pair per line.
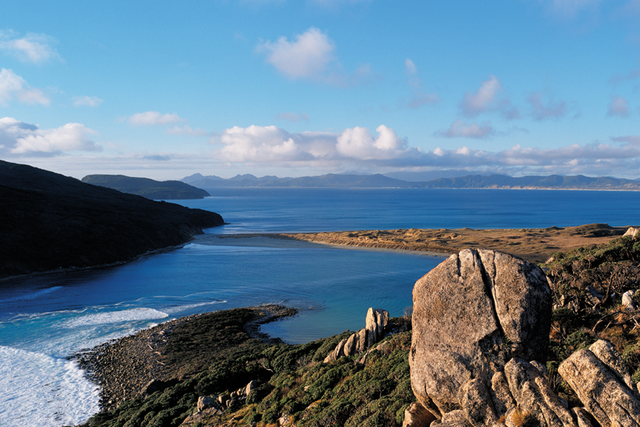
532,244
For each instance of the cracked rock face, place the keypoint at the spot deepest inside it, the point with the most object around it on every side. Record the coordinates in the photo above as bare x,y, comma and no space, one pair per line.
471,315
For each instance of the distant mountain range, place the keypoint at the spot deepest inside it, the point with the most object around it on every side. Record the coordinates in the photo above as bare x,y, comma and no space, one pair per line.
578,182
149,188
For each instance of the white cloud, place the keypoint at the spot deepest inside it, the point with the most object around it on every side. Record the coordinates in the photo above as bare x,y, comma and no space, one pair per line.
486,99
258,144
34,48
294,117
86,101
186,130
14,86
549,110
618,106
359,149
359,143
273,144
306,57
419,97
460,129
151,118
19,138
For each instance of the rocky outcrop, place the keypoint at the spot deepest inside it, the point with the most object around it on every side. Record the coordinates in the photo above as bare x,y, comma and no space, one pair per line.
600,379
471,315
633,232
466,376
361,341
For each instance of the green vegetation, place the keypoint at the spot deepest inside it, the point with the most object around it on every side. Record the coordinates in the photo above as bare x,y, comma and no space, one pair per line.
587,285
216,356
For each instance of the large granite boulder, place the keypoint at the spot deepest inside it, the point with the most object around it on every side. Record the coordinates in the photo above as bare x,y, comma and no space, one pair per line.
601,381
471,315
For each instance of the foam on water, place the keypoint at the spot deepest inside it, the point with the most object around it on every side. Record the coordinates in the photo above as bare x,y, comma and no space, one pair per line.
30,296
40,390
140,313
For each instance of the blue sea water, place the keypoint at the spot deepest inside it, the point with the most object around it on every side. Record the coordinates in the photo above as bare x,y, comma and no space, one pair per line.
44,319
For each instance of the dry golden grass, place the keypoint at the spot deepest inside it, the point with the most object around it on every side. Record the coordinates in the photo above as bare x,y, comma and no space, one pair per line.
532,244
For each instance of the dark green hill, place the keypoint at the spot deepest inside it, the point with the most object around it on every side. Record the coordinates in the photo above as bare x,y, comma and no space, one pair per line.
149,188
49,221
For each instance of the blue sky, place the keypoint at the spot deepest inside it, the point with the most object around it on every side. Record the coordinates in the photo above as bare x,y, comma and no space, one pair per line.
291,88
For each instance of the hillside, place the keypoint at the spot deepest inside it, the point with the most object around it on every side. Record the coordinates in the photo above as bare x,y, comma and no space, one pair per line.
149,188
552,182
49,221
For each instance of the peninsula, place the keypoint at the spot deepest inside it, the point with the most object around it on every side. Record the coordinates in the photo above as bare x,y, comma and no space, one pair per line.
533,244
50,221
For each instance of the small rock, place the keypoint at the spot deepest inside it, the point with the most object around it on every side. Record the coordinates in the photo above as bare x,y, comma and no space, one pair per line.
627,301
205,402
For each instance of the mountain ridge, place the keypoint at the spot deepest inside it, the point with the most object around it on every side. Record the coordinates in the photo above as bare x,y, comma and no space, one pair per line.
476,181
146,187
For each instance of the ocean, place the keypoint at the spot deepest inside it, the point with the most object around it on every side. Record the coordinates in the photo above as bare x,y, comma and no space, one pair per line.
45,319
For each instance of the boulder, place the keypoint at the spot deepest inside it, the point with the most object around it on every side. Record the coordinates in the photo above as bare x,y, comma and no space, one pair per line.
633,232
471,314
601,387
627,301
417,416
205,402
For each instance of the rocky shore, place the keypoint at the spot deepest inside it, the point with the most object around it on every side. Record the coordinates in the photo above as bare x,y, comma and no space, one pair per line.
152,359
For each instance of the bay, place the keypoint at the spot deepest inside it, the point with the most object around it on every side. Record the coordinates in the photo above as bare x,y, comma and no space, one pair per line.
46,318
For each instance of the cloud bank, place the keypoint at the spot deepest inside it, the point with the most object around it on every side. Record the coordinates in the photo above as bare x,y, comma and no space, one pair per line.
21,139
358,148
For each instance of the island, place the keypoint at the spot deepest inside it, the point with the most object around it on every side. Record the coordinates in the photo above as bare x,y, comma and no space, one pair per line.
149,188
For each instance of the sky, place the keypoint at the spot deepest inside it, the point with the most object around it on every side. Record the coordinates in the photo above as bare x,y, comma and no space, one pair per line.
166,89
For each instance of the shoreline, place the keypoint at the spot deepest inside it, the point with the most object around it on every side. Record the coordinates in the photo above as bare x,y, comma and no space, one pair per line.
138,364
